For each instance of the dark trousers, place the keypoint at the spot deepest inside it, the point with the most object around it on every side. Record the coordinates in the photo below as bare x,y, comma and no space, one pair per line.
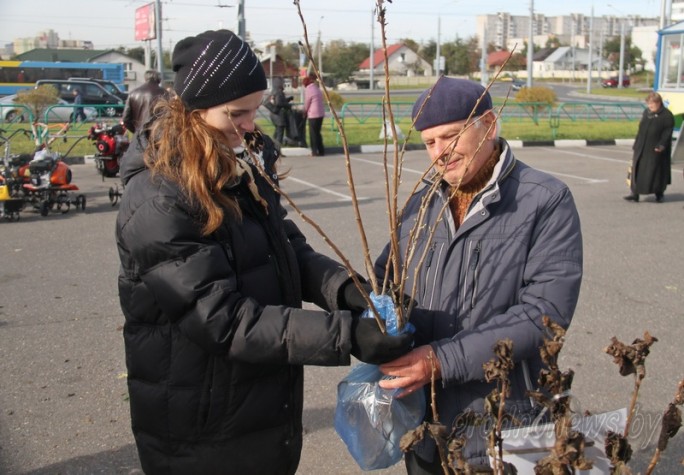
315,138
279,134
78,114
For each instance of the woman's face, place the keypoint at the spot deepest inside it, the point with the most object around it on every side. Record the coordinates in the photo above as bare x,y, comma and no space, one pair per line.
653,106
234,118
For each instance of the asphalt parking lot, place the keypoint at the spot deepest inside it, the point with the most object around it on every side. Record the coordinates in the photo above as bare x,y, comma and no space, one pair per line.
63,397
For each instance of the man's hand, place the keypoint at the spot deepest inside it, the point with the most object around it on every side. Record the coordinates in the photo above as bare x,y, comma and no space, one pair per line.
412,371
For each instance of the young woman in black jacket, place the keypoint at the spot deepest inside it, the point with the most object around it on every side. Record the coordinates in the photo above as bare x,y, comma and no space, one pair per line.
212,280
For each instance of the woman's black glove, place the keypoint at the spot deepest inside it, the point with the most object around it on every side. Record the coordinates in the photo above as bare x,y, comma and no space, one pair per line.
371,346
352,298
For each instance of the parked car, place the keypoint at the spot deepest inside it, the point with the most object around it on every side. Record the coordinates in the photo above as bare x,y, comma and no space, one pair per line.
518,84
110,86
55,114
613,81
92,93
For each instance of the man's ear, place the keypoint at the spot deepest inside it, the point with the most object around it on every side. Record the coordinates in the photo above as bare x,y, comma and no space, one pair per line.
489,121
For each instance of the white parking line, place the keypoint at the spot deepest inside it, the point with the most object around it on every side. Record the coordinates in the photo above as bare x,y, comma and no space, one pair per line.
389,165
606,159
420,172
324,190
588,180
594,157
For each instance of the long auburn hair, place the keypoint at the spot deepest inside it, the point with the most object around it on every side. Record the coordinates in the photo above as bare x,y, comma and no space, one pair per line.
196,156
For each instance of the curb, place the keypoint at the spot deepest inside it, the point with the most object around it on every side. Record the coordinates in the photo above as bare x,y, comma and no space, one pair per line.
379,148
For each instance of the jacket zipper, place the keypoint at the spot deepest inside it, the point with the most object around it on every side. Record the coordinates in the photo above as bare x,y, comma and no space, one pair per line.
428,262
476,271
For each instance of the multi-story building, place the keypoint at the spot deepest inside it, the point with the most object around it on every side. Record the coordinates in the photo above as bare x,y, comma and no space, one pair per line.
502,29
44,40
677,11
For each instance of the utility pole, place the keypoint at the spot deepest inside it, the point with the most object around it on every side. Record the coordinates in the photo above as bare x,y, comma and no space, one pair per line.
663,13
483,58
319,46
622,52
590,66
158,27
438,59
241,20
572,45
372,52
600,53
530,46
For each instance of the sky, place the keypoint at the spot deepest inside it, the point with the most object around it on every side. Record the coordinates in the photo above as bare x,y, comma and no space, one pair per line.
110,24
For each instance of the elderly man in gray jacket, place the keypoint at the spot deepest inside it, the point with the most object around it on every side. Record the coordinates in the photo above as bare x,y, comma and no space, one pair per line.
506,251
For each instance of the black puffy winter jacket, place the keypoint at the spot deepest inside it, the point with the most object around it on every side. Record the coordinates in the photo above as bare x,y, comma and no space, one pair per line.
215,336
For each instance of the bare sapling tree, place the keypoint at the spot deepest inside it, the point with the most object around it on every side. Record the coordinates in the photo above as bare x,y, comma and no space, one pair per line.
396,274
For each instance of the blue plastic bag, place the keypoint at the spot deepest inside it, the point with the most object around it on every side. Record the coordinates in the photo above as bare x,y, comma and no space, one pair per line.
369,419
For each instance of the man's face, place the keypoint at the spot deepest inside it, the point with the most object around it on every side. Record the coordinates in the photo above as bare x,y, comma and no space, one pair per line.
458,152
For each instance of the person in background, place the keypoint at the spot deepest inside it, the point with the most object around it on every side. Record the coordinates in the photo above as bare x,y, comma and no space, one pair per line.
314,110
141,101
213,276
78,115
280,109
506,251
651,167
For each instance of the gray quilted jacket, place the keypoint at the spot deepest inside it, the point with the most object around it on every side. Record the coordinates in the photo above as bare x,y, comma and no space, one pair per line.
516,257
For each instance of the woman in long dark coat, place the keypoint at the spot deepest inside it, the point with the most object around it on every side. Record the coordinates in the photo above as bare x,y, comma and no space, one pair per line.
651,171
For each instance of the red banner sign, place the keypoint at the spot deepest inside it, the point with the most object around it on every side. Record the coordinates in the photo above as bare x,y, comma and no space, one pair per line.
145,23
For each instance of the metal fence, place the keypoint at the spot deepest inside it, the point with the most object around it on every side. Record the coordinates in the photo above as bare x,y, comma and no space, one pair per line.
16,113
535,111
362,112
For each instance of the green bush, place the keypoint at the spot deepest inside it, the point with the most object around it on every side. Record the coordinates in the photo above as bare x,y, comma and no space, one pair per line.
536,94
38,99
336,100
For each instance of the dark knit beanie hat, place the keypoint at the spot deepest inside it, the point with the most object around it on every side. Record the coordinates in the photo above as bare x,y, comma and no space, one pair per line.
450,100
215,67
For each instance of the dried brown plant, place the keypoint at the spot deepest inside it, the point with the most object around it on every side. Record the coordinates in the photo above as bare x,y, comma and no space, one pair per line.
631,359
498,370
672,421
567,454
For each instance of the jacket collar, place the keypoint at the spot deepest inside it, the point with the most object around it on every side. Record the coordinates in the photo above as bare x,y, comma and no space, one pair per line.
490,193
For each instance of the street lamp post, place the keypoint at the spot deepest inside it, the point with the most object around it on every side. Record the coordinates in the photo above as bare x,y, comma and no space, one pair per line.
622,52
530,46
590,66
372,53
320,49
622,46
241,20
158,28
